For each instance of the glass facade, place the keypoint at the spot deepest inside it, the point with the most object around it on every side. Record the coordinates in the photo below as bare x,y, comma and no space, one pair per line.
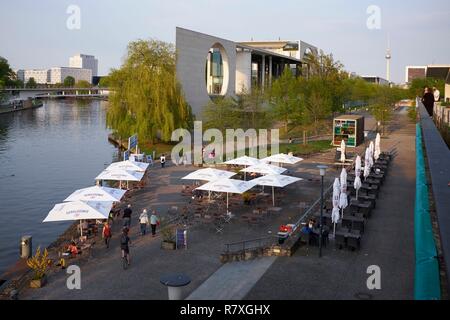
214,72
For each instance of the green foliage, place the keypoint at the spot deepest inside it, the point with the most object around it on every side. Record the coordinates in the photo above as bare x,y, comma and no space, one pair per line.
221,113
416,89
39,263
146,97
69,81
31,83
104,82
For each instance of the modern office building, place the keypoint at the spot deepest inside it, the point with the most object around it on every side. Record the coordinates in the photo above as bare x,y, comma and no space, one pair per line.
84,61
208,66
40,76
376,80
415,72
20,74
58,74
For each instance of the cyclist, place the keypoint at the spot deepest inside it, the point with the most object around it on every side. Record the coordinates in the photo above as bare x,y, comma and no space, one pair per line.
124,244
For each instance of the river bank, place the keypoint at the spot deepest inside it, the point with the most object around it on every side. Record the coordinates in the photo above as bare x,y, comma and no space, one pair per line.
25,106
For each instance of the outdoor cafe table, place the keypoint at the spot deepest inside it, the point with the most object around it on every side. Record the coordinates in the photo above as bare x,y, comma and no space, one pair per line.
366,198
349,235
362,207
353,222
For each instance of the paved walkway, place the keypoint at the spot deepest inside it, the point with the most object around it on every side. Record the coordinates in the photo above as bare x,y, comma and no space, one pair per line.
232,281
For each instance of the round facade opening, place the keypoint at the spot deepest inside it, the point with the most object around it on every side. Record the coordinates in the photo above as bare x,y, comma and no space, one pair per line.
216,71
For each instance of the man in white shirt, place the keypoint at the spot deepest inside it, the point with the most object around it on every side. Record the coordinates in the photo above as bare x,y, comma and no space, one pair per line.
437,94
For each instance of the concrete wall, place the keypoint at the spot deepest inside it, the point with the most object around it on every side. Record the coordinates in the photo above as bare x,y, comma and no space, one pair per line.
192,50
243,71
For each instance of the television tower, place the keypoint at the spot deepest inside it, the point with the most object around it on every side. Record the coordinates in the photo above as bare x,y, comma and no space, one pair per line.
388,61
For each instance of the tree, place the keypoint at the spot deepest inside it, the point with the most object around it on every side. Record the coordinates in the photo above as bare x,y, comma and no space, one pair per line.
416,89
69,81
383,103
221,113
146,97
253,109
284,98
104,82
31,83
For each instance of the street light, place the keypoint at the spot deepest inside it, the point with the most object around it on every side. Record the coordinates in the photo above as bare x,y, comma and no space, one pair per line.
322,170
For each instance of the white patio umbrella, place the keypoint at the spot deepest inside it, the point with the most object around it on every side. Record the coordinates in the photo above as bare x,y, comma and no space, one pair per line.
227,186
129,166
79,210
377,147
343,202
209,174
120,175
275,180
371,153
282,158
357,185
335,215
343,180
367,164
96,193
244,161
343,147
264,168
358,166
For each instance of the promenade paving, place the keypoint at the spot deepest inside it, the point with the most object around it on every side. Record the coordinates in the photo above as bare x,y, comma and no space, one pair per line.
388,243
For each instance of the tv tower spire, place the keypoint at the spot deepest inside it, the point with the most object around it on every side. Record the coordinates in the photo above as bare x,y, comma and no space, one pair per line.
388,60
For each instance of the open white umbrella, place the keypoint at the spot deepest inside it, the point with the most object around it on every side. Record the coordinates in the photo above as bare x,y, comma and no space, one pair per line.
377,147
264,168
209,174
343,147
335,215
275,180
282,158
79,210
227,186
128,165
96,193
244,161
120,175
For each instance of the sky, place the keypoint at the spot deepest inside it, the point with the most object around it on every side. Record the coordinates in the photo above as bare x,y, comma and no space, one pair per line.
34,34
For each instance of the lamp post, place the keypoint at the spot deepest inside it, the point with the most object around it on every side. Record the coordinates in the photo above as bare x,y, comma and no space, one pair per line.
322,170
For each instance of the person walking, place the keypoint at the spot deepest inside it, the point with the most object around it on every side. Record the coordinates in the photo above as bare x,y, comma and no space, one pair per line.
125,244
106,234
127,216
154,221
143,221
163,160
428,101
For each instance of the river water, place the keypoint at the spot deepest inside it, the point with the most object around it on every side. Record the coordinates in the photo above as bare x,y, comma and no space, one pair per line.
46,154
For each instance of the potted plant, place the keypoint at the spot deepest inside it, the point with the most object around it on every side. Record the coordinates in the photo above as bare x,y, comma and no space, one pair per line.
168,238
39,263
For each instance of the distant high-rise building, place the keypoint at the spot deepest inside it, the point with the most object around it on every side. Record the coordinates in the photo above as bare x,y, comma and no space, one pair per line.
415,72
40,76
84,61
59,74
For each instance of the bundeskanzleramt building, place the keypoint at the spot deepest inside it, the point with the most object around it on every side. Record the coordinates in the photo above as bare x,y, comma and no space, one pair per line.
84,61
208,66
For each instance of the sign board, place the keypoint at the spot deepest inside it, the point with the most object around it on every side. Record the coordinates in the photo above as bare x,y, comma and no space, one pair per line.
132,142
126,155
181,239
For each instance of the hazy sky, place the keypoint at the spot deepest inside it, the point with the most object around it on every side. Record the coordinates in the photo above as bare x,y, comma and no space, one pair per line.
34,33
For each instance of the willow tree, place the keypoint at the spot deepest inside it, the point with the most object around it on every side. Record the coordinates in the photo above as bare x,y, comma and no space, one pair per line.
146,97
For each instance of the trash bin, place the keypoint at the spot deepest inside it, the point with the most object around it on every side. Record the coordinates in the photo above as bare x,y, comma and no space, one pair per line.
26,247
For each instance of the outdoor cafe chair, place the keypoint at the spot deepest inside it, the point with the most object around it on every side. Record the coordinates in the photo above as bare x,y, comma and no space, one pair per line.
354,242
339,240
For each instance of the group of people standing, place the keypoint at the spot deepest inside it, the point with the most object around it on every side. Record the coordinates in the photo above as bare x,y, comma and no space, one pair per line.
430,96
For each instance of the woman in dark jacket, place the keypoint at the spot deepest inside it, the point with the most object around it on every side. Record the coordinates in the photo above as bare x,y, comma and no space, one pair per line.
428,101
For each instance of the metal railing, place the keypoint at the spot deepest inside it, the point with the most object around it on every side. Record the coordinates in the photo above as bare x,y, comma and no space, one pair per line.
250,244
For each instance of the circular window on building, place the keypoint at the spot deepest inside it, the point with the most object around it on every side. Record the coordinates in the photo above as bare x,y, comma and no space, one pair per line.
216,73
